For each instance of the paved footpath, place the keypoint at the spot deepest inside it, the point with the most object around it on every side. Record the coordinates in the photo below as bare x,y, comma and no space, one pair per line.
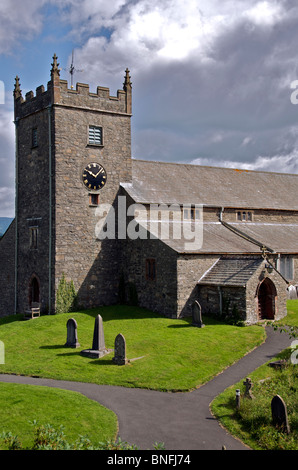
182,421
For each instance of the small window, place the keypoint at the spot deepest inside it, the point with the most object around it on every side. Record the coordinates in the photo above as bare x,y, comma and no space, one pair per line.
286,267
34,137
93,199
191,214
150,269
244,216
95,135
186,214
197,214
33,238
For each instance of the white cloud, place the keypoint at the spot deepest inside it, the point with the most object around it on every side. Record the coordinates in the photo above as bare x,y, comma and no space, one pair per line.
277,163
265,13
7,160
19,20
246,141
7,197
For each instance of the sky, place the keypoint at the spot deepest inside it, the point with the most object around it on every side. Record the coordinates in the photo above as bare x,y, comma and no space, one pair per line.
213,80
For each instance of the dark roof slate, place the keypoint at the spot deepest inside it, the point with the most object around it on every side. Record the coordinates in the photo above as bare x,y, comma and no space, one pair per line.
231,272
169,183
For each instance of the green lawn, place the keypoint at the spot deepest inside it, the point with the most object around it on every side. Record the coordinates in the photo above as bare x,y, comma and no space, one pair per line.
79,416
253,423
170,354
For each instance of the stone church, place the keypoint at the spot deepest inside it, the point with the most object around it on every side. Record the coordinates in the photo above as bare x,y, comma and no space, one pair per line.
170,233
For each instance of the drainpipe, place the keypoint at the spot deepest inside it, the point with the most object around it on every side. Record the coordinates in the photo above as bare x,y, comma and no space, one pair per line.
220,299
50,209
16,122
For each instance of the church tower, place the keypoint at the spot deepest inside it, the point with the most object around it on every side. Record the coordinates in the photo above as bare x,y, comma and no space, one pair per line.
73,148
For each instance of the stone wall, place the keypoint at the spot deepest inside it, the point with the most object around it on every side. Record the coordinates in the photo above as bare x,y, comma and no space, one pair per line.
224,300
159,294
33,176
252,314
190,268
92,264
260,215
7,271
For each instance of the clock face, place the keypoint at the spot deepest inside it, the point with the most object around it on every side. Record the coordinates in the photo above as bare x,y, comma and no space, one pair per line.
94,176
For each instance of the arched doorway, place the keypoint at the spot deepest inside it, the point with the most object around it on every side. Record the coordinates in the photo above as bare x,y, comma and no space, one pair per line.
266,299
34,294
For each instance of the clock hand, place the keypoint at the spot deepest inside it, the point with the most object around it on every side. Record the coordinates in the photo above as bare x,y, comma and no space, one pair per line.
90,172
100,171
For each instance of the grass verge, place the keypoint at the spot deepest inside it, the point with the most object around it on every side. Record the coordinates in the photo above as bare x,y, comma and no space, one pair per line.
253,422
79,415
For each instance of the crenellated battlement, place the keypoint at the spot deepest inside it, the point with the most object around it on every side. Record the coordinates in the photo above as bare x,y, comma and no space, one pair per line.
58,93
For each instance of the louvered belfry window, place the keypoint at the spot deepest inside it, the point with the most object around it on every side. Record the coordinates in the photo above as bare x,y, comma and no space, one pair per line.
95,135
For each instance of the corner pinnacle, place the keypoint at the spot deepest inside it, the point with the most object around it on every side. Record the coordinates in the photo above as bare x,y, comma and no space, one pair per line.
17,90
55,72
127,82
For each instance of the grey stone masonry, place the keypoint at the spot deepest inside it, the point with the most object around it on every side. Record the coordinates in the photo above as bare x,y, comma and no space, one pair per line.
7,271
54,206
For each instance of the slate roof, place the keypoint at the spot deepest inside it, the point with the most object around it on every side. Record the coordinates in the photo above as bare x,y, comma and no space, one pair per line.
231,272
281,238
173,183
169,183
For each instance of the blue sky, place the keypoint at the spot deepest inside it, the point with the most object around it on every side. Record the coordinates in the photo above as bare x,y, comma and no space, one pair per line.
211,79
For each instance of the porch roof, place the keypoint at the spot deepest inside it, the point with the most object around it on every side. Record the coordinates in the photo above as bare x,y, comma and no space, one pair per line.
231,272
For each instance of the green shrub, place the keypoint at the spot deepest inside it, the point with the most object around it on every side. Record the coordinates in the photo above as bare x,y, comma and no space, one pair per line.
49,438
66,298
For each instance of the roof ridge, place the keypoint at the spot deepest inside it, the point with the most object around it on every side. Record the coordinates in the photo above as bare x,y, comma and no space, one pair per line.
193,165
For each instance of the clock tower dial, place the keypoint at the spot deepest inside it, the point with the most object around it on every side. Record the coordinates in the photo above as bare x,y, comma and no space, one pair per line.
94,176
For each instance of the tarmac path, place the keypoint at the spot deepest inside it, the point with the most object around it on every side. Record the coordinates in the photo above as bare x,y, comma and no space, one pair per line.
182,421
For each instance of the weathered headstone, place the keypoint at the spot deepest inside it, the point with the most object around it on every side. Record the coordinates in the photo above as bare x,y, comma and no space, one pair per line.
238,398
293,292
120,351
98,344
248,386
279,414
197,315
72,335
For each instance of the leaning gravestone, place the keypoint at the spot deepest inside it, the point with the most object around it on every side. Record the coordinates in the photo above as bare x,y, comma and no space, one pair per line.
120,351
98,344
72,335
197,315
279,414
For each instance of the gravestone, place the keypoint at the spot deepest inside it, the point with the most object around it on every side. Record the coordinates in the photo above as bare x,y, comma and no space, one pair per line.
120,351
98,345
248,386
293,292
197,315
238,399
72,335
279,414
